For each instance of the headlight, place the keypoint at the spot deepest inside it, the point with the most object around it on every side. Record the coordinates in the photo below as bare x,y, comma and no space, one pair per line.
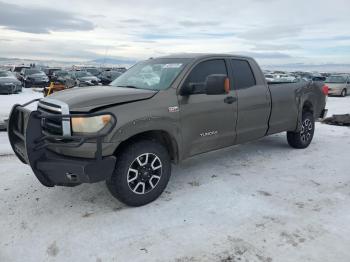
89,124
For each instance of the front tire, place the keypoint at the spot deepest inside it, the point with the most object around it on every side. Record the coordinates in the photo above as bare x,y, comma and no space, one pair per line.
303,138
343,93
142,173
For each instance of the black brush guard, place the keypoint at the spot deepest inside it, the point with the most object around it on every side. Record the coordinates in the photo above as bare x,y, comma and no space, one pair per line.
30,144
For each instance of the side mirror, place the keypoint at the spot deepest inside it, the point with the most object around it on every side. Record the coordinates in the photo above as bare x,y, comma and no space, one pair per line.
217,85
214,85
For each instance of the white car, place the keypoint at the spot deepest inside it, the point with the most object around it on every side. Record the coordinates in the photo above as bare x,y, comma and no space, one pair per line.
269,77
285,78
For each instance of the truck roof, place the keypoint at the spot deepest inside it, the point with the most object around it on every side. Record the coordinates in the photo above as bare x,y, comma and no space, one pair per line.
202,55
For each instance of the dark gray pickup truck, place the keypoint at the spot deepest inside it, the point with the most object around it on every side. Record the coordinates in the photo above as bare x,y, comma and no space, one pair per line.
160,111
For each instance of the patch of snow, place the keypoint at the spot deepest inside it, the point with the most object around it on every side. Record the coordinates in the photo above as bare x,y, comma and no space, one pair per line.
7,101
5,147
338,105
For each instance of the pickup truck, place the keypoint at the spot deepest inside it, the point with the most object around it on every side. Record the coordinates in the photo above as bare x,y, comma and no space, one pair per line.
161,111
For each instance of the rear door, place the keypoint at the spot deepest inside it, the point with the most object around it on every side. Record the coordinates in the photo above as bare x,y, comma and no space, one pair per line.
253,105
207,121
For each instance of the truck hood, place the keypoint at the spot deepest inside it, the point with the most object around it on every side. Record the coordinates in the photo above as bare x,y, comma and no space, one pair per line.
85,99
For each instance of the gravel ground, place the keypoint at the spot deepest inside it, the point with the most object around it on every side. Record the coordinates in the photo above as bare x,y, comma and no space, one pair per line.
262,201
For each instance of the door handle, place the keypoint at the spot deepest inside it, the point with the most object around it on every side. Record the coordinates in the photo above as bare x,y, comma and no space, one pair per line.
230,100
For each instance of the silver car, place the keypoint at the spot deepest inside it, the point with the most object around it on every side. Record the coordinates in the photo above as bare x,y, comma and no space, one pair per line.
9,83
338,85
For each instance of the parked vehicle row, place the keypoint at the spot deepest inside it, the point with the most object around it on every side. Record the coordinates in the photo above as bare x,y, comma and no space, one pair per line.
36,76
280,76
338,84
85,78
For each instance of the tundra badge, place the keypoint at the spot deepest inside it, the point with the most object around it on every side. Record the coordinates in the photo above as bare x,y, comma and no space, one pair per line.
210,133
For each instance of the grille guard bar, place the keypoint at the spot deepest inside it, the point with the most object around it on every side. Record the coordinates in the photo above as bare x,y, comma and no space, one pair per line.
26,135
66,141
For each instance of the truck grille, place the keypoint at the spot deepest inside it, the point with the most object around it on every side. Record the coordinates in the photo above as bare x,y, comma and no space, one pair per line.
54,126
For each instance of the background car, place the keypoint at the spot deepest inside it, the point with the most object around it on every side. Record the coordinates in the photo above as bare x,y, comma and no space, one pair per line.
32,77
269,77
338,85
50,71
284,78
17,70
108,76
84,78
94,71
63,77
9,84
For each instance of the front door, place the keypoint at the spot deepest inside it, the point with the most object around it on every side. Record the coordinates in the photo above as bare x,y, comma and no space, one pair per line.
207,121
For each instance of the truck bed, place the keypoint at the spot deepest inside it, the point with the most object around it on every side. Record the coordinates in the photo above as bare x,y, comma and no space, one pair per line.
286,99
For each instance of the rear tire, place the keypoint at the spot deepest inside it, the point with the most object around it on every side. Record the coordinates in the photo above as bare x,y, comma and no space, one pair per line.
303,138
343,93
142,173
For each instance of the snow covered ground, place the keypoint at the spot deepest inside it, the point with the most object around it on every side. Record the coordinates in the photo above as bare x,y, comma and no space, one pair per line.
262,201
7,101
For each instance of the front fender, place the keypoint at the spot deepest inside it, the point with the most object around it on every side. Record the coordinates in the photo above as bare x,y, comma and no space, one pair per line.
146,124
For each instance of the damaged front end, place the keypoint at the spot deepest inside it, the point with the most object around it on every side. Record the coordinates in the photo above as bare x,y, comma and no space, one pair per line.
33,133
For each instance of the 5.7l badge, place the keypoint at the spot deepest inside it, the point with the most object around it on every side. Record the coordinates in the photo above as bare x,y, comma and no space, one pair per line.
173,109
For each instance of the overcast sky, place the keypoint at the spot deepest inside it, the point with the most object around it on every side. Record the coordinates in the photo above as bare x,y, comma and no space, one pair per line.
273,31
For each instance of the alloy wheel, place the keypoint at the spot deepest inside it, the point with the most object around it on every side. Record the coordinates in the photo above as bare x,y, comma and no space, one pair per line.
144,173
306,130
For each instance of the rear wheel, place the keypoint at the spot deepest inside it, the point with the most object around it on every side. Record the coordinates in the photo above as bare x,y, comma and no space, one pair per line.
343,93
303,138
142,173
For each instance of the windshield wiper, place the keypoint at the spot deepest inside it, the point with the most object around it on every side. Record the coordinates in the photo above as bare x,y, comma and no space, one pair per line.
130,86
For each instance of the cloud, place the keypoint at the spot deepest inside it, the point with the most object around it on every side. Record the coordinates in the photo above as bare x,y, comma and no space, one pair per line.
192,23
270,33
275,47
195,35
282,31
132,21
267,55
40,20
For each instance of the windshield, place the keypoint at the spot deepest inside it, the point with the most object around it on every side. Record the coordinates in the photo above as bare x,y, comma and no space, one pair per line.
33,71
153,74
18,69
82,74
61,73
5,74
336,79
93,70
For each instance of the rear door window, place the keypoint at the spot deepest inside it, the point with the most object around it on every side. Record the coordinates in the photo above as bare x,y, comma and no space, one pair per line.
243,76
